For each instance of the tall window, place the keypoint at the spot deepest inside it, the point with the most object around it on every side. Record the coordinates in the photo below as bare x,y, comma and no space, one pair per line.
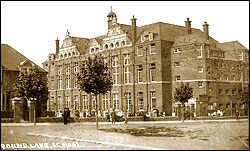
128,101
93,102
76,105
139,50
126,68
76,67
105,101
115,61
60,70
67,102
126,75
140,73
52,83
177,78
115,101
75,81
67,81
200,52
152,72
152,48
153,99
59,82
140,100
67,75
85,102
115,75
59,102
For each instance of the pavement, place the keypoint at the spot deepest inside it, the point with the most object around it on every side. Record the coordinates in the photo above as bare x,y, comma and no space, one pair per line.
132,122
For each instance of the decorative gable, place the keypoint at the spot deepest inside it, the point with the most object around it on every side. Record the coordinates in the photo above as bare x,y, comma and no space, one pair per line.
115,31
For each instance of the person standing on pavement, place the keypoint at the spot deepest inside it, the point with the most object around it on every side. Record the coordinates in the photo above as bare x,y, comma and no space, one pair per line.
113,117
237,114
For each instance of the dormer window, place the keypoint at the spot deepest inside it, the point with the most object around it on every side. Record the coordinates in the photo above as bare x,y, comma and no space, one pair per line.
117,44
147,36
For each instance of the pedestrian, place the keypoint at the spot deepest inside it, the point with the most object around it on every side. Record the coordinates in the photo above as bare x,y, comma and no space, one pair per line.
68,115
237,115
144,116
65,117
113,116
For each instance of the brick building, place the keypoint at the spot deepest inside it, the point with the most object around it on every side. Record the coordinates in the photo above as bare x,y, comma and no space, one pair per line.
12,62
147,63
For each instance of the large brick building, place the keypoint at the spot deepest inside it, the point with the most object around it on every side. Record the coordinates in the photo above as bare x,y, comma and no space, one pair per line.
147,63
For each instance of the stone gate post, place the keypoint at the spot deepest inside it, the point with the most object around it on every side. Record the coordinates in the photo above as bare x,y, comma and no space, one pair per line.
16,107
31,105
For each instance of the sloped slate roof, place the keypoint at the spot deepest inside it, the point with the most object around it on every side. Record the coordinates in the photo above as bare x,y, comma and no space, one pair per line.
11,58
81,44
232,45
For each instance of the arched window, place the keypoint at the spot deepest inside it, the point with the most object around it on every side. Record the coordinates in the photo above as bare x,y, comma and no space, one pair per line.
69,54
92,50
123,43
106,46
65,55
73,53
117,44
111,45
61,56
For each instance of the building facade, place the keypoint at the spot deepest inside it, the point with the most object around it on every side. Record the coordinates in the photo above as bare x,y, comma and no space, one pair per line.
147,63
12,63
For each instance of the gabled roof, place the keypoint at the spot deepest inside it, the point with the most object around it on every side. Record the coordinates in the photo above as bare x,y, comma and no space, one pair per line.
11,58
81,44
232,45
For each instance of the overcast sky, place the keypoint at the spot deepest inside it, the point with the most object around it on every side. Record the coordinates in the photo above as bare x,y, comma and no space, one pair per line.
32,27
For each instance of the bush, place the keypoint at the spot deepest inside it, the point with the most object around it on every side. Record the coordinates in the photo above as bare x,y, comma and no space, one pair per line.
7,114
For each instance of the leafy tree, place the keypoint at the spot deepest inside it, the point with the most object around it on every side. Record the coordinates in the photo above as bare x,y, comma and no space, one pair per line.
94,77
182,95
32,85
244,96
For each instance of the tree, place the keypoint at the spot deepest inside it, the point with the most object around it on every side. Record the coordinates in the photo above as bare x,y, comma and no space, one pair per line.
32,85
182,95
94,78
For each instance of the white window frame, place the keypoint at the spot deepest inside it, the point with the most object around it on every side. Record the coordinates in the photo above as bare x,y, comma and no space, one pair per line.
85,102
177,50
93,102
152,68
177,79
76,100
128,102
200,84
105,101
140,49
116,101
60,82
139,98
153,98
140,73
115,74
150,47
126,75
67,101
177,64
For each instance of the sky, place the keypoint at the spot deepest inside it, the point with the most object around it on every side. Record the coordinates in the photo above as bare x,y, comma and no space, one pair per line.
31,27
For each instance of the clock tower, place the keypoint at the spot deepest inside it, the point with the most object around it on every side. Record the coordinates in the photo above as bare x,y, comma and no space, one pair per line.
112,20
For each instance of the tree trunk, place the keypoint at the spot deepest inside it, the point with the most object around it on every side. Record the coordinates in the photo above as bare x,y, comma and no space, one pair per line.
182,112
96,112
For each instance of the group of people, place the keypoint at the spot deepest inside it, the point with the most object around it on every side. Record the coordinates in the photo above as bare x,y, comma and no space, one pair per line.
111,116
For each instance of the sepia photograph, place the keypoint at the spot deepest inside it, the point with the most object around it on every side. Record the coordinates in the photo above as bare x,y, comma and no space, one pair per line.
124,75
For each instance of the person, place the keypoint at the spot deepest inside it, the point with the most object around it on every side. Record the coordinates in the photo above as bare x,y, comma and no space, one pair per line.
237,114
108,117
113,117
65,117
144,116
68,115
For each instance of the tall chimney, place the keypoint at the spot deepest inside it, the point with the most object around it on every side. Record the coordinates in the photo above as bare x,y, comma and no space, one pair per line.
133,21
188,26
57,45
205,30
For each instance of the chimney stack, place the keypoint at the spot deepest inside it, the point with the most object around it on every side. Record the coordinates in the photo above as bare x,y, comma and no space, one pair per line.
133,21
57,45
205,30
188,26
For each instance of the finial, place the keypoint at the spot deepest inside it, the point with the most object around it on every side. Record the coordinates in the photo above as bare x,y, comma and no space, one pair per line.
57,38
67,33
133,16
111,7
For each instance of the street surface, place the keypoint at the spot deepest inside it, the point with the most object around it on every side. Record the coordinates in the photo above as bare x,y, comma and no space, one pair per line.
192,135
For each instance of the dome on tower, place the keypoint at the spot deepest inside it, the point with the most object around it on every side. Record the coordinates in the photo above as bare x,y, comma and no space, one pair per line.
111,14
